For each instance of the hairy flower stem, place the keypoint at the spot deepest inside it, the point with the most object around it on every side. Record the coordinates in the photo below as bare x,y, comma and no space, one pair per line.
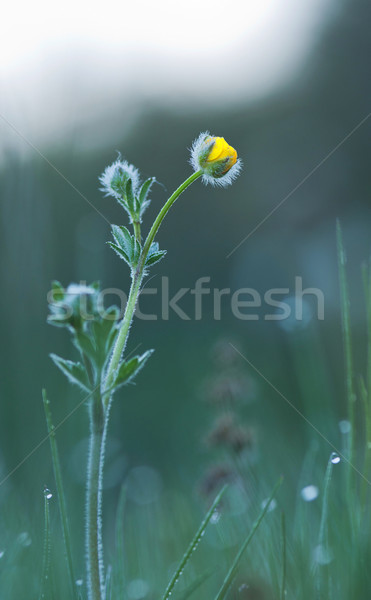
94,552
135,288
99,414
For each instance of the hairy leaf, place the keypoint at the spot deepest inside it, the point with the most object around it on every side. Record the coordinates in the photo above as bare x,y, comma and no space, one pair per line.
128,370
75,372
120,252
143,194
154,254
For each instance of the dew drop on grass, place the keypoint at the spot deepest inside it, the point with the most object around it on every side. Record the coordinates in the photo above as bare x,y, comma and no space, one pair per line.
309,493
48,494
79,582
215,518
2,552
272,504
322,555
335,459
344,427
24,539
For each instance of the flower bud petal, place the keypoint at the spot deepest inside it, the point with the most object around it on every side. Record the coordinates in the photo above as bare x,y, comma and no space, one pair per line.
216,159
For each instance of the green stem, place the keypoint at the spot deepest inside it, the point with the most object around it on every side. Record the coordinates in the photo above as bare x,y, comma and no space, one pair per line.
137,233
122,337
94,553
135,288
99,414
161,215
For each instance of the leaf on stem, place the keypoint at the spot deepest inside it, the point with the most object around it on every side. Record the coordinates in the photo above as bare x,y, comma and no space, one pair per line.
75,372
154,254
127,246
143,200
128,370
130,198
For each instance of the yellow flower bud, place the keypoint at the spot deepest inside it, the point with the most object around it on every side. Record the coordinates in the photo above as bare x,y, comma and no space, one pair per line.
221,150
216,159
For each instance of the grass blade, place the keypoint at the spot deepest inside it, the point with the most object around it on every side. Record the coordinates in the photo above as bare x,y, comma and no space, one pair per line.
196,584
366,392
60,492
323,529
192,546
232,571
45,576
284,557
345,312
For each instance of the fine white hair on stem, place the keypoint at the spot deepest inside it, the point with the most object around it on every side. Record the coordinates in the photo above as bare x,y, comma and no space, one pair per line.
196,148
226,179
119,167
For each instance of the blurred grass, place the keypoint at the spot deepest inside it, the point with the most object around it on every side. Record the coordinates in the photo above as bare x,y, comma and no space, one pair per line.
320,552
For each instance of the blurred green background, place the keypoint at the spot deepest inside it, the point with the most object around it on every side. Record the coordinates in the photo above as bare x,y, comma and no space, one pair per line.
292,140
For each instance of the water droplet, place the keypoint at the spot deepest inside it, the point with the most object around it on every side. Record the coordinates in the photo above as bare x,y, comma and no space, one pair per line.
137,589
24,539
322,555
47,494
2,552
272,504
335,459
309,493
345,426
215,517
243,588
79,582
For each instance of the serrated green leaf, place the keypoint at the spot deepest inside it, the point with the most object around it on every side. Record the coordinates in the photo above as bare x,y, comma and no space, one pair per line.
128,370
123,239
130,195
127,246
85,344
137,210
75,372
144,201
154,254
123,203
119,252
155,258
104,331
145,188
